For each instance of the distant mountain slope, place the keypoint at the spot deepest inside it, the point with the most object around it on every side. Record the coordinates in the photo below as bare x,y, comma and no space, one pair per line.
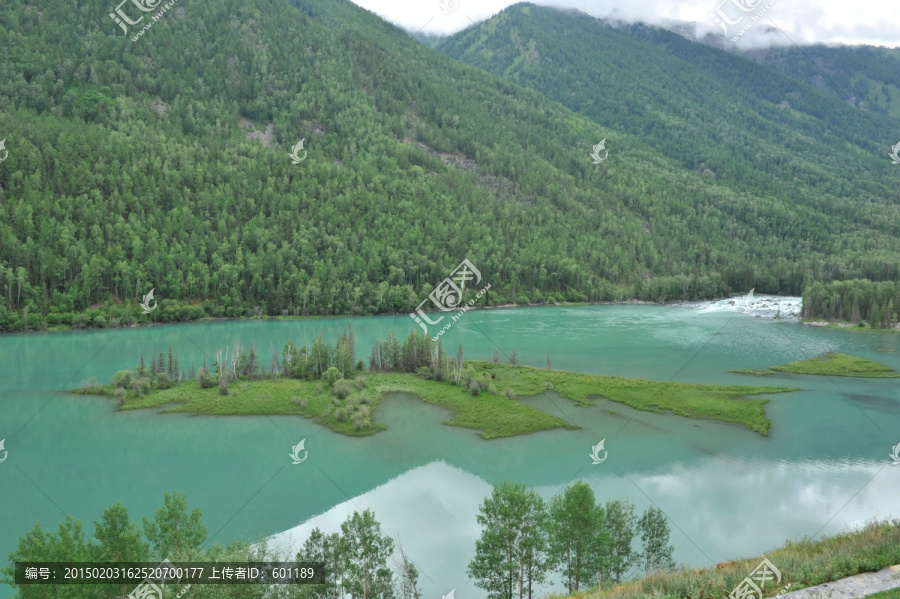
163,163
866,76
817,166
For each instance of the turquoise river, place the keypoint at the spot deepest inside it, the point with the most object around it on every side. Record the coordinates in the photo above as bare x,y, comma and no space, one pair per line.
727,491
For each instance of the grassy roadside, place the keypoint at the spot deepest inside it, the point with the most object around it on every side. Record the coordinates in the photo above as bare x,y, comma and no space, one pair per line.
495,415
830,365
892,594
802,564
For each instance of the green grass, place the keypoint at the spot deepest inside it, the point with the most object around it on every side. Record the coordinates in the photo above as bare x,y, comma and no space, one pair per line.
892,594
802,564
830,365
753,372
839,365
493,414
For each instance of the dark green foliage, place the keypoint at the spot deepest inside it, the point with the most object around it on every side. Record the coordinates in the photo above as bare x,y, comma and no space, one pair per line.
206,379
175,534
654,531
415,161
355,560
331,376
856,301
579,540
122,378
621,524
511,554
868,76
251,368
785,165
342,388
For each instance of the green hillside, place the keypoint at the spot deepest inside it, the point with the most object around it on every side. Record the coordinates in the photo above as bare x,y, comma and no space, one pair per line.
813,169
163,163
866,76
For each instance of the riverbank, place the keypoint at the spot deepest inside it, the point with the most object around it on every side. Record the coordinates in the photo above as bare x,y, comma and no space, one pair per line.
117,316
495,415
862,327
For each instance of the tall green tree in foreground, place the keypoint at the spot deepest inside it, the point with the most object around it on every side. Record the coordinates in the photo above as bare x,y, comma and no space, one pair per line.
120,541
655,539
175,534
579,542
355,560
329,550
367,552
511,555
621,524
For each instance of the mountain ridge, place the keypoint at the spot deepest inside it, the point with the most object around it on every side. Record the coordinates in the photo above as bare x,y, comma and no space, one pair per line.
129,169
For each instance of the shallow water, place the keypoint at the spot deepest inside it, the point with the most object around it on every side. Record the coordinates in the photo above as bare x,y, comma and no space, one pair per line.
727,491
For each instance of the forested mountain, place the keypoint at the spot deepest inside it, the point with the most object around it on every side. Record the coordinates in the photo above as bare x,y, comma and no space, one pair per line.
163,163
815,167
866,76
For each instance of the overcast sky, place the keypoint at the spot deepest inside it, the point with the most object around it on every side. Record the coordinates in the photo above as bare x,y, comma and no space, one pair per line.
875,22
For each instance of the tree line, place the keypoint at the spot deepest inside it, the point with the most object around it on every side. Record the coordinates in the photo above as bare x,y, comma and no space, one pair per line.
875,303
523,540
124,177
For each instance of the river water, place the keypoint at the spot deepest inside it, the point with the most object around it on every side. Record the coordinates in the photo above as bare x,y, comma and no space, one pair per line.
727,491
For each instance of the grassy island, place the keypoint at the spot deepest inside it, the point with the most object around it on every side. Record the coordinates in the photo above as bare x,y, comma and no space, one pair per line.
830,365
328,385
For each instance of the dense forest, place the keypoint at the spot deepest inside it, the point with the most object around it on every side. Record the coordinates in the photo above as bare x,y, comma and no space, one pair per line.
162,164
866,76
856,302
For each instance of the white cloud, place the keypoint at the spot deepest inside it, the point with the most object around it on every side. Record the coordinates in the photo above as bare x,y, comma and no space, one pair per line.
875,22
